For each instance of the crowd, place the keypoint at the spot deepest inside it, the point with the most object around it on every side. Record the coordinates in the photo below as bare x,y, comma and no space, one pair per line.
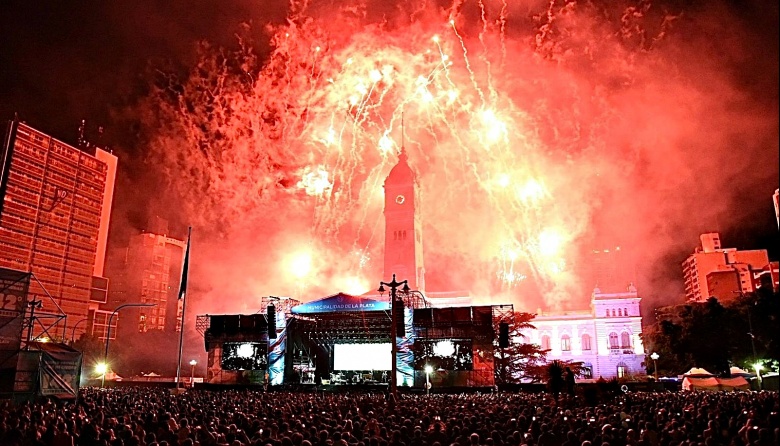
155,417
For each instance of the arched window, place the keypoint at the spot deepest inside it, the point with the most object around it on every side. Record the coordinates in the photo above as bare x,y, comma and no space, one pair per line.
622,370
613,340
586,342
586,371
625,311
545,342
625,340
613,312
565,343
620,312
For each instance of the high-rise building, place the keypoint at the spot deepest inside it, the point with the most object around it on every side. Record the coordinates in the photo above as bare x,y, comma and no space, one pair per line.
727,270
149,272
55,207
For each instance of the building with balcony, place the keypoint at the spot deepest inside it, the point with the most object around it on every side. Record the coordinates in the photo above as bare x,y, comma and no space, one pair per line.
606,339
726,271
55,207
149,272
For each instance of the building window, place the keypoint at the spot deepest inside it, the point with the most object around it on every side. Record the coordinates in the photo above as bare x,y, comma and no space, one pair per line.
565,343
613,341
545,342
620,312
586,342
622,370
625,311
625,340
586,371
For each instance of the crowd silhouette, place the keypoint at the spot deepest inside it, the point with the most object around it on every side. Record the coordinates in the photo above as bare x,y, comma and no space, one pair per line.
155,417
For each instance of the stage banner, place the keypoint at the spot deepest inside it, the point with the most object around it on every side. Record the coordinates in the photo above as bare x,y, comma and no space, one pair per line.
60,371
340,303
14,286
404,361
276,354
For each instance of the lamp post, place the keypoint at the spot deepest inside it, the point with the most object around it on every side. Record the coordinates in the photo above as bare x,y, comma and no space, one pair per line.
73,333
428,370
193,363
394,285
655,357
108,334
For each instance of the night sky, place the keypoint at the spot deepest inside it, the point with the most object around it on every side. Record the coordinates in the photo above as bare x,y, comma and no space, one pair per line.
61,62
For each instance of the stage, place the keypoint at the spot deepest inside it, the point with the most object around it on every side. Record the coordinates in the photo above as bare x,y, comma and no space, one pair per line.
344,342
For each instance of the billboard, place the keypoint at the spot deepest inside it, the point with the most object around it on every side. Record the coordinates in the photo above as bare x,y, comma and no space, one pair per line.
13,298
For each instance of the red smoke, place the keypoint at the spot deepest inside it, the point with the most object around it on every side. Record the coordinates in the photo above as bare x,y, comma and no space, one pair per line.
540,131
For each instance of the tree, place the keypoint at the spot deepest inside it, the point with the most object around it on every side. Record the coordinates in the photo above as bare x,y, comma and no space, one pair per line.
520,360
555,379
715,336
91,348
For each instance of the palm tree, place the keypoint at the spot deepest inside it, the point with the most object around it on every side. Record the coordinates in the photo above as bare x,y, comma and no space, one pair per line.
555,380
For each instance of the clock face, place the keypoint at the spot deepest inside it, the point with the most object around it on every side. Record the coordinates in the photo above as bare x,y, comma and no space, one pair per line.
400,199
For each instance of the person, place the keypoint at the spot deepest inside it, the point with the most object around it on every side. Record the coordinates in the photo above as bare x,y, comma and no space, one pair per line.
570,381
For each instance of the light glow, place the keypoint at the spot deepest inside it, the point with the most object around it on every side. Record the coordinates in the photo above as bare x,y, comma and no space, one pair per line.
361,357
520,135
101,368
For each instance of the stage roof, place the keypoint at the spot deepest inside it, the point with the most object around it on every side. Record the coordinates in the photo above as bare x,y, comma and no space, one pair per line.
341,302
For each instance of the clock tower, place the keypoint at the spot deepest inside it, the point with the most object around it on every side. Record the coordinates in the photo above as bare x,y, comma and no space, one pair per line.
403,231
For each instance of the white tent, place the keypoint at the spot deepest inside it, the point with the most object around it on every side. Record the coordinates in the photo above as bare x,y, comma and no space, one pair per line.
714,384
736,371
697,372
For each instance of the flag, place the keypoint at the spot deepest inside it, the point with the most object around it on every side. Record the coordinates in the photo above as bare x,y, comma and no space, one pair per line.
185,269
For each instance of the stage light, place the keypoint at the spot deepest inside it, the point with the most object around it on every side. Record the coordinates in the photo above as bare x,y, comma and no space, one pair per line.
101,368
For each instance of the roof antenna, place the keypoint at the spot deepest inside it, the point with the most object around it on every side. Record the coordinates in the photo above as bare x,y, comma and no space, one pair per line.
403,135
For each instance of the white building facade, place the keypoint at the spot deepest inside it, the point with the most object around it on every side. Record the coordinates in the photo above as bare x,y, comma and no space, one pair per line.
606,340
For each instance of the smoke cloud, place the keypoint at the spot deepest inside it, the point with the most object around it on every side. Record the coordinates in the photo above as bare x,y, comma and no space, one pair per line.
540,131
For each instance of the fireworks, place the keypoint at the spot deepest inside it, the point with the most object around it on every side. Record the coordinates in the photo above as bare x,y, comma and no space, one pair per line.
503,135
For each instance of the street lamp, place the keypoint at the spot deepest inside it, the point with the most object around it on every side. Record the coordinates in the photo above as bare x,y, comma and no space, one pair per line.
108,333
428,370
73,333
101,368
193,363
394,285
758,367
655,357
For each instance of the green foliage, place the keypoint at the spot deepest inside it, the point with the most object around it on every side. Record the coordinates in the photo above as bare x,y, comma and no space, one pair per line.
555,378
520,361
715,336
90,346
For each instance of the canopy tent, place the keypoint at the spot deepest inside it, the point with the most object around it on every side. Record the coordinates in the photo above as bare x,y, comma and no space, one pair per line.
697,372
715,384
736,371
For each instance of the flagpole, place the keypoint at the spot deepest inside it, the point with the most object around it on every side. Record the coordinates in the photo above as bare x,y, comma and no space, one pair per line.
182,295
